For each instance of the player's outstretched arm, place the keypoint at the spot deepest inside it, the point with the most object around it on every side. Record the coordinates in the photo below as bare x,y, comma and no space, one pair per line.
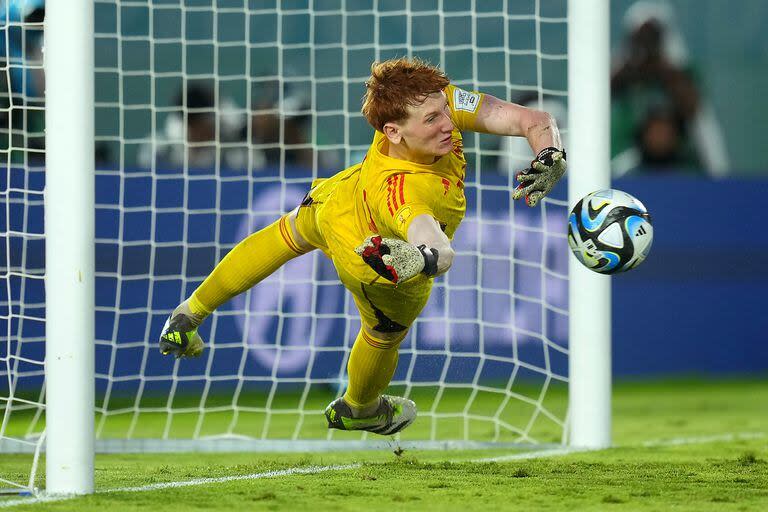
428,252
500,117
540,129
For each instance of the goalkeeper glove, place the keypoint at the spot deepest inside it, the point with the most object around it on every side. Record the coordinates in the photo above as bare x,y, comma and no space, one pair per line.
397,260
179,336
538,180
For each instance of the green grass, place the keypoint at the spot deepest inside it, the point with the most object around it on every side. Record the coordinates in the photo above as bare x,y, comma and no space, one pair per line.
443,412
725,474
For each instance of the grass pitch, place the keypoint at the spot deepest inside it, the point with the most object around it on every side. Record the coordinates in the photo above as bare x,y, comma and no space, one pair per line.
692,445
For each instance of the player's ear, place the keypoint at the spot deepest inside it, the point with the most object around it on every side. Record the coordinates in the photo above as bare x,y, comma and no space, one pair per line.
392,132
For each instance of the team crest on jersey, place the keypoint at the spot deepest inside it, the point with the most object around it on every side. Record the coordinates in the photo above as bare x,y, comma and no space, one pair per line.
465,100
404,215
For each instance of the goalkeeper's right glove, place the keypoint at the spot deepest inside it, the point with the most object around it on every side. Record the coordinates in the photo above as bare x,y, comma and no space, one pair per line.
537,181
397,260
179,336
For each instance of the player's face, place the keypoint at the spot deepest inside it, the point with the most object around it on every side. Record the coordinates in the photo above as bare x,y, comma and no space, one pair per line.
426,133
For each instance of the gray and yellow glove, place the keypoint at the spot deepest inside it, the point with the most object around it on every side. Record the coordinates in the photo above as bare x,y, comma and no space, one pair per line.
397,260
179,336
538,180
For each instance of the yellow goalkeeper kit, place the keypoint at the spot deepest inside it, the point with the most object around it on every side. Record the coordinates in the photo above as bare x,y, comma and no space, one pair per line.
382,195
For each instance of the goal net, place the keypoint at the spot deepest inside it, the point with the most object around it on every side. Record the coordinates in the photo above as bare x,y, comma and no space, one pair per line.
22,249
212,119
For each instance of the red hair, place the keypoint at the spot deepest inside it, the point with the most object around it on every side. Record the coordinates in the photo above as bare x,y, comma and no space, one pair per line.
395,85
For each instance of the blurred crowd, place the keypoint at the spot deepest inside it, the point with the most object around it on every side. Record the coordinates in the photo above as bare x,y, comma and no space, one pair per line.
661,118
274,132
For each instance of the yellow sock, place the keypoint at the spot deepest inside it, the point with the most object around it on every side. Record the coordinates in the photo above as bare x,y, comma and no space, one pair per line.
371,366
249,262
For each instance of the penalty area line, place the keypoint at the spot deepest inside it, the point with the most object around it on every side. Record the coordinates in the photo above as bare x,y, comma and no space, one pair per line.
653,443
233,478
539,454
682,441
188,483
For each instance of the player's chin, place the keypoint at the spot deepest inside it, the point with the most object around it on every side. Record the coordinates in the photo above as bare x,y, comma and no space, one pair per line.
444,148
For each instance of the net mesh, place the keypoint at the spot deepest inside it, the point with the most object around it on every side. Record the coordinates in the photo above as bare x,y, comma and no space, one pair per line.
212,119
22,268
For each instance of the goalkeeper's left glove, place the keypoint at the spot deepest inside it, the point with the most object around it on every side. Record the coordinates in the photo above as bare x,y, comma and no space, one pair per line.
179,336
538,180
397,260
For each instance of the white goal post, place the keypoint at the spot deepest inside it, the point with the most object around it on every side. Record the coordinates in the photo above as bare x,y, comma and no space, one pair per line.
69,229
589,358
513,281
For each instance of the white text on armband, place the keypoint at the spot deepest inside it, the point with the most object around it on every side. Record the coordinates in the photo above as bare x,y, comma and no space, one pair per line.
464,100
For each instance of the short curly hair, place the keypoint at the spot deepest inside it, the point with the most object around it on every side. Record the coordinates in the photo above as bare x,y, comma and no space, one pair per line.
396,84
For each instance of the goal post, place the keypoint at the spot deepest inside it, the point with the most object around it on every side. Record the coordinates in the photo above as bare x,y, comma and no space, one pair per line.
194,107
589,358
69,230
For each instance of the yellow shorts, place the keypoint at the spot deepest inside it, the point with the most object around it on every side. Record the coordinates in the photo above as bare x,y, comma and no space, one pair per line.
383,306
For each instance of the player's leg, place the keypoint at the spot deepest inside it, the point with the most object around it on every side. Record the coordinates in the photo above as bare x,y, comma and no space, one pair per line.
371,366
387,313
249,262
252,260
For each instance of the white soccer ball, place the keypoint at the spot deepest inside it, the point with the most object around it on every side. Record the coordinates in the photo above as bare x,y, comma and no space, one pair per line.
610,231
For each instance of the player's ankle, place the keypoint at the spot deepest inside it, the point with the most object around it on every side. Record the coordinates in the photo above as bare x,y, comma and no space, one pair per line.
363,411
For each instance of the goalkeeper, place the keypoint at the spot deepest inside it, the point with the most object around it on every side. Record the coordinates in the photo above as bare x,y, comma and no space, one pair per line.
386,223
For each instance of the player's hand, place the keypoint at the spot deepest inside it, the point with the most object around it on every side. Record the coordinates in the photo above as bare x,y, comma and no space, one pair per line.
397,260
538,180
179,336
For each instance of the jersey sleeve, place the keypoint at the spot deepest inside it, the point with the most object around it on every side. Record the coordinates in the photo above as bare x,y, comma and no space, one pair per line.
464,106
407,195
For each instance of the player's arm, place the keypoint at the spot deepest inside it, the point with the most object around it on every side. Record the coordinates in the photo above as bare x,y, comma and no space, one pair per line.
427,251
510,119
540,129
425,230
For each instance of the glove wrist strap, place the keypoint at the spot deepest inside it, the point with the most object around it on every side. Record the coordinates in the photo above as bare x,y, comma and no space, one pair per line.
545,155
430,260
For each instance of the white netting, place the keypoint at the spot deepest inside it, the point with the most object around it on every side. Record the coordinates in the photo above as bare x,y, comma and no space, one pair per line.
212,118
22,178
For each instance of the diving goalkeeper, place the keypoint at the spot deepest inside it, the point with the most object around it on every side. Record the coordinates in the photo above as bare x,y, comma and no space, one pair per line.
385,223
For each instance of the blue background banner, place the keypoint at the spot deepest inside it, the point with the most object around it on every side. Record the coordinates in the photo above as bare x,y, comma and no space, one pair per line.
697,305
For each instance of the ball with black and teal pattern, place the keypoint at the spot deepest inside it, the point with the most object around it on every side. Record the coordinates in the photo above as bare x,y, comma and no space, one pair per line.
610,231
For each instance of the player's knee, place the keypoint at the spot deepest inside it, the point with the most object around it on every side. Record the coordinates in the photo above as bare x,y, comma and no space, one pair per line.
300,241
389,337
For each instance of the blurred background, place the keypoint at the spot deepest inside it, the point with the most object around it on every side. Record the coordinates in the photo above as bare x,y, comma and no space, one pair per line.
199,101
719,50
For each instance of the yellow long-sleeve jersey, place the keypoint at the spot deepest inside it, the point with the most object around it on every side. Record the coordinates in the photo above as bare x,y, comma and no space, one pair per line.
382,195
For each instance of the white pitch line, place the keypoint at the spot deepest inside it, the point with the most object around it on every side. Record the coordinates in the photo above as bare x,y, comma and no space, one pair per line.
219,480
681,441
188,483
554,452
33,501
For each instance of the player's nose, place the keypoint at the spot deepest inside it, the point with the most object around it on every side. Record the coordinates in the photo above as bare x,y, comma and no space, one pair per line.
447,123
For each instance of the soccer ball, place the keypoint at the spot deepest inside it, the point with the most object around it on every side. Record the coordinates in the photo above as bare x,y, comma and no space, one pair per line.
610,231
